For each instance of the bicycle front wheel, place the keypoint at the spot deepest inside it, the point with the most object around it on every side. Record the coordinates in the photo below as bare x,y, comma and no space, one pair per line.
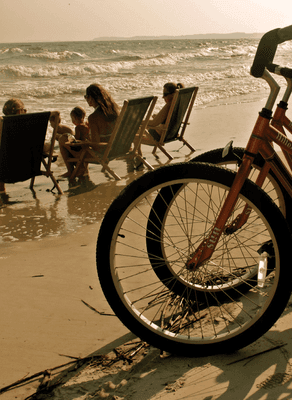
218,307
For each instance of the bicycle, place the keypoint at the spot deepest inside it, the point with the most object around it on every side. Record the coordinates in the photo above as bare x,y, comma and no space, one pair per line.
233,157
191,257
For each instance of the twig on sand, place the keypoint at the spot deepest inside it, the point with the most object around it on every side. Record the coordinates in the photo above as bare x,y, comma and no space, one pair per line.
94,309
66,355
258,354
31,377
47,372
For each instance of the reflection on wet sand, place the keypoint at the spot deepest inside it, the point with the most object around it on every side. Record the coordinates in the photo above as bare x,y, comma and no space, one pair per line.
28,223
27,215
35,219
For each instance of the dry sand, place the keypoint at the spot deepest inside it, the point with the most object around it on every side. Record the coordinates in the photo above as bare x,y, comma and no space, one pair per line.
53,311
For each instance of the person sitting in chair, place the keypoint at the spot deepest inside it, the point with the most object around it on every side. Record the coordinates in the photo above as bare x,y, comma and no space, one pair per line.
155,125
64,134
16,107
11,107
102,121
81,134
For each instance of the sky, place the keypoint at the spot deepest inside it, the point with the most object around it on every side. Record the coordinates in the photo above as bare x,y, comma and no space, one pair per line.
70,20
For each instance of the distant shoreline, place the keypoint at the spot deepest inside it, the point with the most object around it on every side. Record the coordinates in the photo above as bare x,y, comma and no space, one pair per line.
235,35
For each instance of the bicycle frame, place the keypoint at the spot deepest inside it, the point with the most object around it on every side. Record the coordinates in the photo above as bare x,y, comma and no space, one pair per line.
279,121
260,141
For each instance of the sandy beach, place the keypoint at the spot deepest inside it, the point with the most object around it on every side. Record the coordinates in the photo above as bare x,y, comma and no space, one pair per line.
53,311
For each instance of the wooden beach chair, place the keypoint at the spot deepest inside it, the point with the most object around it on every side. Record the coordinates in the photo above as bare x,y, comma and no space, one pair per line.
176,122
22,148
131,121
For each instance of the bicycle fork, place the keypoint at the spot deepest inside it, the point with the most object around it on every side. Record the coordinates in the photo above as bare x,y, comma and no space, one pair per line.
205,250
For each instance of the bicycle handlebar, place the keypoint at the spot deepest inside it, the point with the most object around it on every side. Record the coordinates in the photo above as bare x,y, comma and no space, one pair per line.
267,49
277,69
285,34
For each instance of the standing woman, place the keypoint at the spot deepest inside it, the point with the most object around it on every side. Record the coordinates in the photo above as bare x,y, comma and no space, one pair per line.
102,121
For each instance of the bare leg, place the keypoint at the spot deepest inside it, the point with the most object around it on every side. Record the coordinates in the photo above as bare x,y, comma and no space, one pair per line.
2,187
137,138
65,154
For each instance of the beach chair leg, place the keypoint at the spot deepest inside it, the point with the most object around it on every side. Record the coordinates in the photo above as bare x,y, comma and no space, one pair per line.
109,170
57,186
188,145
149,166
49,173
154,150
79,164
165,152
116,176
32,183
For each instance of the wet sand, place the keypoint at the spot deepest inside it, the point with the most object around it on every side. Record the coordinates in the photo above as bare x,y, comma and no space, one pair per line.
53,309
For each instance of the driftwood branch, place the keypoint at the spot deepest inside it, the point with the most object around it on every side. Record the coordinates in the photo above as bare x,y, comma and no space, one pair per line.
47,372
46,386
95,310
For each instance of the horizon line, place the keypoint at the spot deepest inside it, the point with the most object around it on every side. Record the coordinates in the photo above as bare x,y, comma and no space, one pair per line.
199,35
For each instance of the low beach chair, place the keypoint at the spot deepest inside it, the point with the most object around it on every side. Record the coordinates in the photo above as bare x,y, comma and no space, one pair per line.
22,148
131,121
176,122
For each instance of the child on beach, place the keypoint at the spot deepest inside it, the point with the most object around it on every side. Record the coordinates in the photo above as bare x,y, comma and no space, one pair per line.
62,129
81,128
64,134
81,134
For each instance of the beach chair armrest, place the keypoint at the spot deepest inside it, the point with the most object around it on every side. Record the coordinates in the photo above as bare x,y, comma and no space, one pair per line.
80,143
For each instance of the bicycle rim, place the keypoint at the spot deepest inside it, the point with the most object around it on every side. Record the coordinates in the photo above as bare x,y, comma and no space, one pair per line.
192,312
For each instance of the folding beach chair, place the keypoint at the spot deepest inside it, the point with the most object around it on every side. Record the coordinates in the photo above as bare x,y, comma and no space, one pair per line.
21,148
176,122
129,123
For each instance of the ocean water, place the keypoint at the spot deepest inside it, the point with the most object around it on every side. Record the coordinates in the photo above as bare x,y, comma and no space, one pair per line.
48,76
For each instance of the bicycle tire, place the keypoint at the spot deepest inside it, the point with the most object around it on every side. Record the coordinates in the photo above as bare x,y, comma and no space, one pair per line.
220,321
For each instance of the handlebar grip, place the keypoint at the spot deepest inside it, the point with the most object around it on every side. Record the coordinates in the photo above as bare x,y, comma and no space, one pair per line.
277,69
265,52
285,34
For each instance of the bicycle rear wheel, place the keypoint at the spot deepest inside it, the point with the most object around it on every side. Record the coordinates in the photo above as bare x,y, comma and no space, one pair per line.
271,185
216,308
